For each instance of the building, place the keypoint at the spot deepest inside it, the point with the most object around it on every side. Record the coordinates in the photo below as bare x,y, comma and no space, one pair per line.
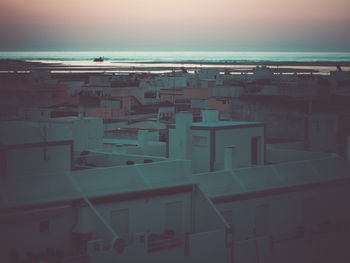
204,142
42,148
290,211
106,214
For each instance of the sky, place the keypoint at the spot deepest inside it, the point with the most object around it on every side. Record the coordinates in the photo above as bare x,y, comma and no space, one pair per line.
174,25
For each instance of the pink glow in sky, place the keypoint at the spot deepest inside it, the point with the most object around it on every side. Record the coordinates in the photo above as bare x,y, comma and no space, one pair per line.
170,24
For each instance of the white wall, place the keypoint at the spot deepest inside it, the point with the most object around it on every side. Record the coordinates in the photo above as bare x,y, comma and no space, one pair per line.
179,138
25,161
22,232
323,132
114,104
241,138
145,215
227,91
87,133
35,114
200,150
286,213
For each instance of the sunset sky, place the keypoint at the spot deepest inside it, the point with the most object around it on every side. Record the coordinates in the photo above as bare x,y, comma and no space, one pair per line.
165,25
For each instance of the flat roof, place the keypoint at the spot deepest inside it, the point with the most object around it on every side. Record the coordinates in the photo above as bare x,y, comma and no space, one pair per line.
225,125
25,132
70,119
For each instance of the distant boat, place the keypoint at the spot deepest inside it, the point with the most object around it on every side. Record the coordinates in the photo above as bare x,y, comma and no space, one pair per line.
100,59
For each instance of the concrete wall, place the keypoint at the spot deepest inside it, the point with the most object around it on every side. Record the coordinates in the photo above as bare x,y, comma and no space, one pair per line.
228,91
173,82
196,145
220,104
35,114
320,131
205,227
280,122
323,129
308,226
200,150
114,104
21,232
38,160
86,132
179,138
241,138
185,93
104,113
145,215
109,160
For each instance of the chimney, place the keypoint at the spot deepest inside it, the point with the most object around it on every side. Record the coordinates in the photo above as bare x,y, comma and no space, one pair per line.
210,115
181,140
230,158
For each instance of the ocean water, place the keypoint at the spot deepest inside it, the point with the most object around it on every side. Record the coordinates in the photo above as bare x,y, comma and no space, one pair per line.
182,56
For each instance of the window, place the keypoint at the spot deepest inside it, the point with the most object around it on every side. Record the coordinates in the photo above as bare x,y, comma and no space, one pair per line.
44,226
254,151
173,217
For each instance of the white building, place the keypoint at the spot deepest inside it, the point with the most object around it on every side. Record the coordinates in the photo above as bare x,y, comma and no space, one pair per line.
29,148
87,132
121,213
287,212
222,204
204,142
41,77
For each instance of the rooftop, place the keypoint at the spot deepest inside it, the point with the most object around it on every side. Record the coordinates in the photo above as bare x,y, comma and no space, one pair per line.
281,177
225,124
94,183
22,132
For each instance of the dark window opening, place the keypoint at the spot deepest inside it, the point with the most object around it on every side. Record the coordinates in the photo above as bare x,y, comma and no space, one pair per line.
44,226
254,151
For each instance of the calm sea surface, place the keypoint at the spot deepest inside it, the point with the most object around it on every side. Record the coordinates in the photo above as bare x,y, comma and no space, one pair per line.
183,56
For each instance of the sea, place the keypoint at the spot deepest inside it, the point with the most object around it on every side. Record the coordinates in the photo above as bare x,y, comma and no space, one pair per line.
207,57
